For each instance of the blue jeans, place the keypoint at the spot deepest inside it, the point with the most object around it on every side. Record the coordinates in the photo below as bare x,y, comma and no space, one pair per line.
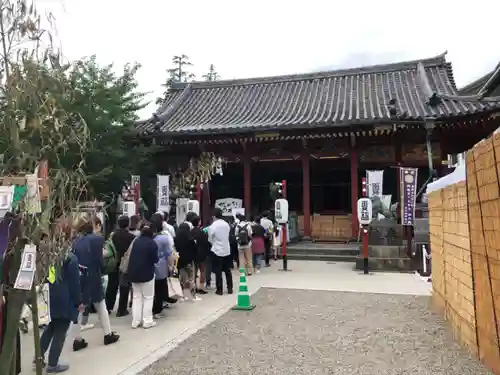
257,261
54,336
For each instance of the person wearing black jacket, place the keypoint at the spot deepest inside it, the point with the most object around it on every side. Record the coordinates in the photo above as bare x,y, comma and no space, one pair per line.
141,273
185,245
203,251
122,238
233,243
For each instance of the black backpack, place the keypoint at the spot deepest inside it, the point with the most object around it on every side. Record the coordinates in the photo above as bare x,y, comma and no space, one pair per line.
243,235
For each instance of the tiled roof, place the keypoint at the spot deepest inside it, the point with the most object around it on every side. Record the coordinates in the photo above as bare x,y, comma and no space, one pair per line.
405,91
483,86
474,87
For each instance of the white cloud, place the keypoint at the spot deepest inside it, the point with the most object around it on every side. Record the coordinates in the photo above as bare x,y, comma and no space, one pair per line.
258,38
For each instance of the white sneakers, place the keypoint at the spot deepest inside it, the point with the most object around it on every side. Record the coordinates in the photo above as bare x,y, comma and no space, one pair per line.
190,299
149,325
86,327
145,326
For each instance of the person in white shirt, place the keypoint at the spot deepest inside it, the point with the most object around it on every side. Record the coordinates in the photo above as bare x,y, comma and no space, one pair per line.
244,233
166,226
268,236
218,236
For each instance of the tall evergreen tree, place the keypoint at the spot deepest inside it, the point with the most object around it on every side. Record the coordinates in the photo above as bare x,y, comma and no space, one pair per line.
178,73
212,74
107,101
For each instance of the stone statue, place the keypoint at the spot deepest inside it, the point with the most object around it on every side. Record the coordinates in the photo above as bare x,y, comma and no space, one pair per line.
379,208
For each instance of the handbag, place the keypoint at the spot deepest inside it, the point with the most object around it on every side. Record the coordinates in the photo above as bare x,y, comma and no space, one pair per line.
126,258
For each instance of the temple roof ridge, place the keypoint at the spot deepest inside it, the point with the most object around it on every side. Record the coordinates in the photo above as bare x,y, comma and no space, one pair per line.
438,60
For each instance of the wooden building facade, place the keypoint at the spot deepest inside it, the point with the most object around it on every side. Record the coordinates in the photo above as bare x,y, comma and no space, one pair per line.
321,131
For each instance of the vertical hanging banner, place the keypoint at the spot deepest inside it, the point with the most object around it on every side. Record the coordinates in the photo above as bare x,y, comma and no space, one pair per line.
375,180
408,181
136,188
162,193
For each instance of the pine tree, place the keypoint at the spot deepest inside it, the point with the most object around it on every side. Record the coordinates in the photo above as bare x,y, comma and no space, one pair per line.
178,73
212,74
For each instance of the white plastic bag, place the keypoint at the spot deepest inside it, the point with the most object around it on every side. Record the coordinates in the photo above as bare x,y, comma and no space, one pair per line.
174,288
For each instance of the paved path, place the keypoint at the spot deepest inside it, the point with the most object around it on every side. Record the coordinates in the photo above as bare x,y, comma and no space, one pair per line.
139,348
317,332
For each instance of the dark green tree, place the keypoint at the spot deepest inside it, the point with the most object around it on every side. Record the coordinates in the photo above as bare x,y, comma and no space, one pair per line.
178,73
108,102
212,74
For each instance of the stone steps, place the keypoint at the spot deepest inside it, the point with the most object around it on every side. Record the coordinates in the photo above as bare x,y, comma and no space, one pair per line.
325,252
323,257
386,258
386,264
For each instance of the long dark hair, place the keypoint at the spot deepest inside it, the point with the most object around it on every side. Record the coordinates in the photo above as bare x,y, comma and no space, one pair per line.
156,223
183,229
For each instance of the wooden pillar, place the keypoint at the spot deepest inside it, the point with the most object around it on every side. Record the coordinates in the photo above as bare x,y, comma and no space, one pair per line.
354,191
206,212
247,185
398,154
306,192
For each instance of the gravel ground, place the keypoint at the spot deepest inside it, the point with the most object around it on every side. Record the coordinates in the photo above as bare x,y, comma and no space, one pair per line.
315,332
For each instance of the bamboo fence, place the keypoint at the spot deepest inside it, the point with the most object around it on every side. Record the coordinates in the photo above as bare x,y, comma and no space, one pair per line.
464,220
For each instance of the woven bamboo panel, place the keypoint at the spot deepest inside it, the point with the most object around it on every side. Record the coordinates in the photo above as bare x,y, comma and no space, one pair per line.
436,215
484,223
331,227
343,226
459,294
464,222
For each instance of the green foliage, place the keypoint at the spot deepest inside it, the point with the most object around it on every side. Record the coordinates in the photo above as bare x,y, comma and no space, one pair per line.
35,124
107,102
178,73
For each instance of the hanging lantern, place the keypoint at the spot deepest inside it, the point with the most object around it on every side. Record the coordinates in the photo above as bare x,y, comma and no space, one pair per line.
218,167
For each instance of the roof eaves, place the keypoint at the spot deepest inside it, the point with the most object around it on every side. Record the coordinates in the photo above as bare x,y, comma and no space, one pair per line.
235,130
435,97
493,80
476,85
167,110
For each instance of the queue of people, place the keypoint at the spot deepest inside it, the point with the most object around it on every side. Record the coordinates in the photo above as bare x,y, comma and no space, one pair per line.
146,255
74,287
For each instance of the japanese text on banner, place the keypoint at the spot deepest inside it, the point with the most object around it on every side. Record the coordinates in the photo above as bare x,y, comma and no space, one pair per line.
163,196
375,180
408,178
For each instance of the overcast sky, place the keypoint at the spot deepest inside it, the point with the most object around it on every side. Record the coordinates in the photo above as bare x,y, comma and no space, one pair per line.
272,37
